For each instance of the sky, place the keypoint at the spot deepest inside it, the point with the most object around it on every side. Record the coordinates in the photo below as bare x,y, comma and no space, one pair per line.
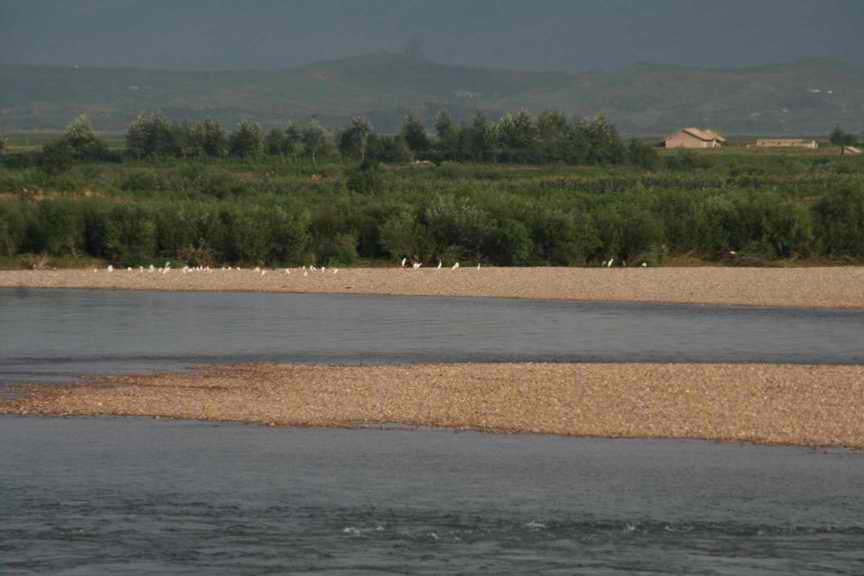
572,35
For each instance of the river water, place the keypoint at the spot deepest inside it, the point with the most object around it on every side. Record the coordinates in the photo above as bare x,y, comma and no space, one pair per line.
125,497
52,334
130,496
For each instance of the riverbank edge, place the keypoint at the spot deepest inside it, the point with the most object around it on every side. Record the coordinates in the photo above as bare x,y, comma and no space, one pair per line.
838,288
783,405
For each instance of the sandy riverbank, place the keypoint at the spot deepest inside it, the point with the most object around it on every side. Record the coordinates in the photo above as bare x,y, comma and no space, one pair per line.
798,287
771,404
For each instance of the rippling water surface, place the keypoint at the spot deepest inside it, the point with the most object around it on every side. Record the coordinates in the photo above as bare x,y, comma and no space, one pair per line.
127,497
51,334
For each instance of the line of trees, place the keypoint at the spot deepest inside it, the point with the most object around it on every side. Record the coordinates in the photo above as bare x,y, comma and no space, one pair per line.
154,136
523,138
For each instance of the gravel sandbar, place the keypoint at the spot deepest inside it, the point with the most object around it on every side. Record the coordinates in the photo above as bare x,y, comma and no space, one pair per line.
794,287
769,404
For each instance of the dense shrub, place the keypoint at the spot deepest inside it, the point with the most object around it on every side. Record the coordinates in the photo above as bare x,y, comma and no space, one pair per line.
291,209
840,223
14,222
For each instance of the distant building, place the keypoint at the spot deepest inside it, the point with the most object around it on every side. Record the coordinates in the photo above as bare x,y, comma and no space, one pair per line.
695,138
787,143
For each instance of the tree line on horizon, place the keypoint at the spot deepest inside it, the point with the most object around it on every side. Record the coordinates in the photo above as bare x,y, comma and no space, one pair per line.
546,138
523,138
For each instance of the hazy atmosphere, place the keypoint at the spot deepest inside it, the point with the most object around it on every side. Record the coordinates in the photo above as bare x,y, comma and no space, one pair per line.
546,34
431,287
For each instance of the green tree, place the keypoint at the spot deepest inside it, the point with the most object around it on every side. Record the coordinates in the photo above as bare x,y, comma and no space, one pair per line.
213,139
56,157
186,142
2,144
414,134
149,136
840,220
81,141
293,140
449,136
354,141
275,142
552,132
247,141
480,139
605,146
517,132
642,155
391,149
315,141
841,138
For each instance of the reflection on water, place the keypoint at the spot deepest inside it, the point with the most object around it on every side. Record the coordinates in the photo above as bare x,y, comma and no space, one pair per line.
50,334
123,497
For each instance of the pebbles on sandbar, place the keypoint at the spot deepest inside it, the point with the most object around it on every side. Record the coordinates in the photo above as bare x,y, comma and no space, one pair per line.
771,404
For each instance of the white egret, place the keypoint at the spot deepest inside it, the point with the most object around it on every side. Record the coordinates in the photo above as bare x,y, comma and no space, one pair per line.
611,261
440,264
455,266
404,260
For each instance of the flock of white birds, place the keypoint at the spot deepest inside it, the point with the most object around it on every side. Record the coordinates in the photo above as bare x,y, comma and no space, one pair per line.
305,270
262,271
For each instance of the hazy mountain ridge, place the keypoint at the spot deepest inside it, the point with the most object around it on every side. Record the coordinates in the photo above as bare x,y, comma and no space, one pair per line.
808,97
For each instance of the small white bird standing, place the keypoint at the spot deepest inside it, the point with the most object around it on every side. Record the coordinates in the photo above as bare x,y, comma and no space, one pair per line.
440,264
611,261
110,268
478,266
416,265
404,260
455,266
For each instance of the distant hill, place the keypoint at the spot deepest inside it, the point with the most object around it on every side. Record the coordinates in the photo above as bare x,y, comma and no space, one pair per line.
806,98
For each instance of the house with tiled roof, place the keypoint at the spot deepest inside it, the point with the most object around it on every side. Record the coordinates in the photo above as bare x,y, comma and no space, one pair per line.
695,138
